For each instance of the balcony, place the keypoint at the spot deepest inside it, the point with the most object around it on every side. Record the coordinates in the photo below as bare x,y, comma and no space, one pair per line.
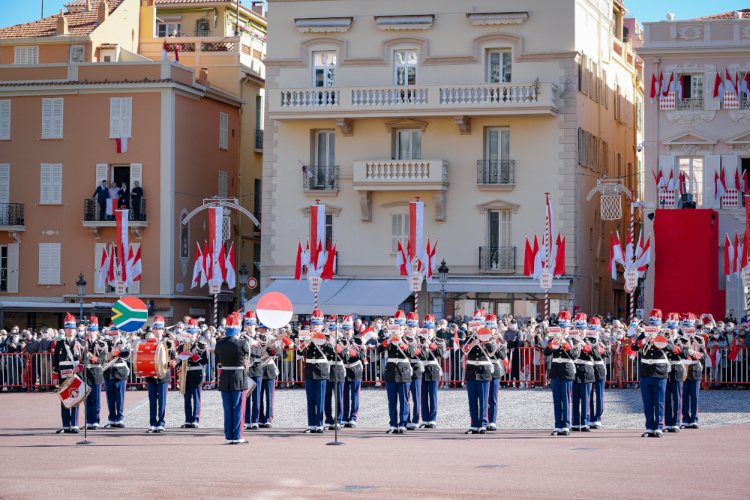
432,100
496,174
689,104
400,175
258,140
320,180
12,219
497,259
95,219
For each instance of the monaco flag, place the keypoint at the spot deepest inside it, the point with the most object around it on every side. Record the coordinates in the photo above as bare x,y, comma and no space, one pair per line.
199,274
121,218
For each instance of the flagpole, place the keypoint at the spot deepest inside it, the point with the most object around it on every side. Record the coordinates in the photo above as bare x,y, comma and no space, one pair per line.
547,242
216,310
632,242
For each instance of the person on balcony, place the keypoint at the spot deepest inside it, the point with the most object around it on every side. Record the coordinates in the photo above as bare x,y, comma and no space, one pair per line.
101,194
136,195
124,197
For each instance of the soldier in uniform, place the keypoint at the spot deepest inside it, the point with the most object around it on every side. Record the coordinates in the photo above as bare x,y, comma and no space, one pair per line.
94,354
600,353
562,352
676,375
336,378
479,348
272,349
417,368
115,377
315,352
232,355
696,353
157,386
584,377
193,353
499,361
434,348
654,368
65,365
252,405
354,355
397,373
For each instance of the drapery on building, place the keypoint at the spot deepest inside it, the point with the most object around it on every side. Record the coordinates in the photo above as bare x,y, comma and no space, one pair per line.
478,110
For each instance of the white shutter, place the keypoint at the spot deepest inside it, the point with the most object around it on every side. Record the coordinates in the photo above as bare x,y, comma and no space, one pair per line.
136,174
395,232
26,55
223,131
12,282
52,118
49,263
4,185
46,118
710,166
50,184
115,114
98,250
223,184
5,119
135,287
57,118
126,108
101,173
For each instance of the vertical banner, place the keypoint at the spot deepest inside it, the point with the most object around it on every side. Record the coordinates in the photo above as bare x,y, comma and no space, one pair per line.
216,241
121,217
416,229
317,232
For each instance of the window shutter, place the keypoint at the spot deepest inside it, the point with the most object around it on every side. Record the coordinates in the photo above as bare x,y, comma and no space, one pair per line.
223,131
45,184
115,114
49,263
57,118
98,250
12,268
395,232
126,108
51,184
136,174
5,119
46,118
52,118
4,187
223,182
101,173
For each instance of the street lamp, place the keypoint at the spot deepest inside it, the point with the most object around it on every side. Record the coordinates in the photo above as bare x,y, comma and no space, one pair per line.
244,276
443,274
81,289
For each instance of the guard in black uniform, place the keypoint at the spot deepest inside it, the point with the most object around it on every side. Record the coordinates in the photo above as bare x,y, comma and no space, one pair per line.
336,377
397,374
499,361
696,353
479,349
433,349
676,376
315,352
417,369
157,386
95,353
272,349
232,355
65,364
562,352
354,355
252,405
654,369
600,352
115,377
193,353
584,377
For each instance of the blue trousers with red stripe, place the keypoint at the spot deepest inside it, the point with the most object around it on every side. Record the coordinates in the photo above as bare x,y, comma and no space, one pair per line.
581,393
478,390
673,403
233,402
267,386
561,394
192,404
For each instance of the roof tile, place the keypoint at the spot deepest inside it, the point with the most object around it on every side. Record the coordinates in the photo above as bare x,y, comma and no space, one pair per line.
79,24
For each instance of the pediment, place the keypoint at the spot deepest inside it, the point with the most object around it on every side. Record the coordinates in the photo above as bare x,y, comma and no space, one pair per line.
498,204
742,139
406,123
330,210
690,138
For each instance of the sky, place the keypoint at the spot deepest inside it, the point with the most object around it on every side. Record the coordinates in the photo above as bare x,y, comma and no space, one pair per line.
22,11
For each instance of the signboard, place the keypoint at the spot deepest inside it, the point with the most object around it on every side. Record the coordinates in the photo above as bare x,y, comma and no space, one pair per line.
214,288
120,288
252,283
651,330
415,282
545,281
314,282
631,279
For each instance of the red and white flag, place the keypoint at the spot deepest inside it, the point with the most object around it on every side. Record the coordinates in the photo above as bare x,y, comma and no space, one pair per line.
718,86
668,86
729,85
317,236
298,262
199,274
401,261
416,231
615,254
654,84
737,181
230,274
135,266
658,179
216,242
121,218
122,144
102,277
670,182
745,85
729,258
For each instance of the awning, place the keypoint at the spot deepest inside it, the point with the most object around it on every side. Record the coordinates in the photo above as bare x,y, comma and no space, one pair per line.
365,297
498,285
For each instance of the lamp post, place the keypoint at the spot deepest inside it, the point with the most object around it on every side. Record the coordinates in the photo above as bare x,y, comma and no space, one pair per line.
81,290
244,276
443,274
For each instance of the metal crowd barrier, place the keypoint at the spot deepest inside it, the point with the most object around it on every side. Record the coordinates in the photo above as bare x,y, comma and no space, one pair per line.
527,368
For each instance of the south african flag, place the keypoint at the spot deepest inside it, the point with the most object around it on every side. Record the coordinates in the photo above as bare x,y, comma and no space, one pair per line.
129,314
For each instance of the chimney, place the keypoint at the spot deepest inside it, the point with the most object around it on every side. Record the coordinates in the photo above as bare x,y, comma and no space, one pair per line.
88,5
203,77
62,24
103,12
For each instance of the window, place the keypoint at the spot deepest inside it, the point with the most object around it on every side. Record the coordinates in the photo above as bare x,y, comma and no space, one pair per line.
329,230
325,148
120,117
52,118
257,199
223,183
9,268
50,185
49,263
5,212
692,167
744,80
223,131
202,27
324,68
5,120
405,67
76,54
26,55
407,144
498,66
500,254
497,144
399,231
692,91
167,29
256,261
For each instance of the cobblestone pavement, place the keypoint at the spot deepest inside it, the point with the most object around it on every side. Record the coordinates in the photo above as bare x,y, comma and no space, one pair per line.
519,409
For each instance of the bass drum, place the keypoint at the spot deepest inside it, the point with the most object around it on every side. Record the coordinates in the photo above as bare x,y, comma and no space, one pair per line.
151,359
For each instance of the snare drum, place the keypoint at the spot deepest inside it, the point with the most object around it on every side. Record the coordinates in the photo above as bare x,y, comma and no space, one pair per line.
73,391
151,359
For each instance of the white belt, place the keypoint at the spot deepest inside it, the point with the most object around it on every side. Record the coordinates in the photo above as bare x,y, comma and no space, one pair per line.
89,367
65,363
316,360
432,362
195,368
478,363
654,361
397,360
232,368
338,363
352,365
561,360
688,362
120,363
583,362
600,362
